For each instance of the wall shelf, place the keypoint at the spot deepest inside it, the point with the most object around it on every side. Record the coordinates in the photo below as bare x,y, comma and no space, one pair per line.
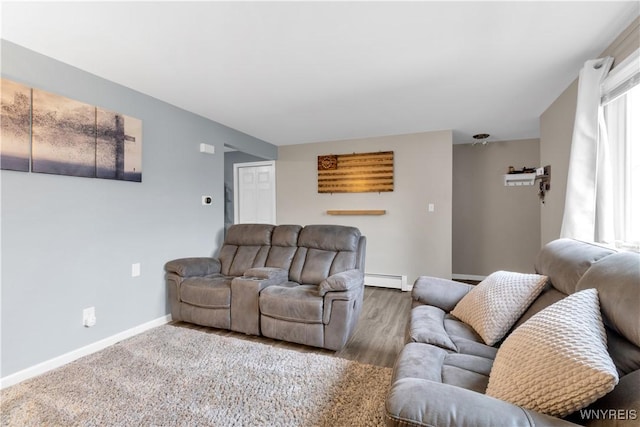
357,212
518,179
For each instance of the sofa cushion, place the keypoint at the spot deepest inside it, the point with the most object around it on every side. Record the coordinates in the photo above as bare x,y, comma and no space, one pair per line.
333,238
429,325
208,292
564,261
466,371
284,243
317,266
496,303
285,235
556,362
292,302
460,330
426,325
442,293
419,360
249,235
324,250
618,298
429,362
245,246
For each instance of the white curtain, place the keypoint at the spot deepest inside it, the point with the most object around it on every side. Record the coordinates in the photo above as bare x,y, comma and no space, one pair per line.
616,114
621,105
586,217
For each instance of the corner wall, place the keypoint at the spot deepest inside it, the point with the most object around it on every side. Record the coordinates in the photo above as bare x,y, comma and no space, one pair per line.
68,243
408,240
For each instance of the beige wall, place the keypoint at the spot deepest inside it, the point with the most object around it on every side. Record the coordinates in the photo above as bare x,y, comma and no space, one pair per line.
408,240
556,130
495,227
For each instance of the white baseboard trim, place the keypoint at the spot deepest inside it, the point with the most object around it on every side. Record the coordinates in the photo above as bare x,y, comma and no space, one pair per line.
56,362
468,277
386,281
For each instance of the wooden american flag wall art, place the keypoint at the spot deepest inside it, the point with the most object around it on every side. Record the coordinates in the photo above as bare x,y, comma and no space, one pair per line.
355,173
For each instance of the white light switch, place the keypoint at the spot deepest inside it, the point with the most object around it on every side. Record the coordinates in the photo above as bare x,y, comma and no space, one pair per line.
431,207
135,269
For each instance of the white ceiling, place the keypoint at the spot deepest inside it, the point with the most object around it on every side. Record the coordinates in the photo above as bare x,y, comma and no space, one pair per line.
297,72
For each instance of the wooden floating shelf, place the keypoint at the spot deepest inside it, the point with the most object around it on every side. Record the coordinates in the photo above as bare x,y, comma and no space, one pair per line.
357,212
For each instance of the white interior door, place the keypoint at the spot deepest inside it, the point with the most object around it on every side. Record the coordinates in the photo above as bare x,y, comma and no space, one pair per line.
254,192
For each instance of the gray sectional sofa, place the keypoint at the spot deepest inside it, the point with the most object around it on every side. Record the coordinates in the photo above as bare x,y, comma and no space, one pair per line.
440,384
287,282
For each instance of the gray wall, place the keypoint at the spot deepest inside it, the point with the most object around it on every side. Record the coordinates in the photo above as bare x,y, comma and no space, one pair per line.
408,240
68,243
494,227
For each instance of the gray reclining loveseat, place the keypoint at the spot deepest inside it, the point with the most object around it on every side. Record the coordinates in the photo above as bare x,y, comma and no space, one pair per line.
441,376
288,282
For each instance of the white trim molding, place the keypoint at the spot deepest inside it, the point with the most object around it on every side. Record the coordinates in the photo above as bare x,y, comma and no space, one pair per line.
56,362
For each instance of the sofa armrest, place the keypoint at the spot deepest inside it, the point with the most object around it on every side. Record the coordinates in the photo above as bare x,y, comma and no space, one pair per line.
441,293
267,273
189,267
420,402
347,280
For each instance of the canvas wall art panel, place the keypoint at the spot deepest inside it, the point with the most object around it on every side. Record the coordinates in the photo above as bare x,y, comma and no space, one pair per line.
49,133
63,135
15,132
118,146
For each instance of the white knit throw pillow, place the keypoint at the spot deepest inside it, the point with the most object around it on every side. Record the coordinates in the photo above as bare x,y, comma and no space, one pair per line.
557,361
495,304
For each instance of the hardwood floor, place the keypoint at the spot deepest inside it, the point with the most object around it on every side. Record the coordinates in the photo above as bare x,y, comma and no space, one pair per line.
377,339
379,335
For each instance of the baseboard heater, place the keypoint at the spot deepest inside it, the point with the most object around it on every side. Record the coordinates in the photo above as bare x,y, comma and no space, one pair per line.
386,281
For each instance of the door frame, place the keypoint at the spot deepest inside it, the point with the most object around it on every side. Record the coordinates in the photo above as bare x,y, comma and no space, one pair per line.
236,191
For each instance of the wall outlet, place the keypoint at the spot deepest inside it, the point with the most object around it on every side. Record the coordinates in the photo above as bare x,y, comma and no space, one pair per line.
431,207
89,317
135,269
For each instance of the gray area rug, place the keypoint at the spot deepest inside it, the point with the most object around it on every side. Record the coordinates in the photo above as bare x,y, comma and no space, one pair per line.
173,376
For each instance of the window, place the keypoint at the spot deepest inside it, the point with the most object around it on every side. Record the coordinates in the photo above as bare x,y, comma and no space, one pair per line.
621,112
